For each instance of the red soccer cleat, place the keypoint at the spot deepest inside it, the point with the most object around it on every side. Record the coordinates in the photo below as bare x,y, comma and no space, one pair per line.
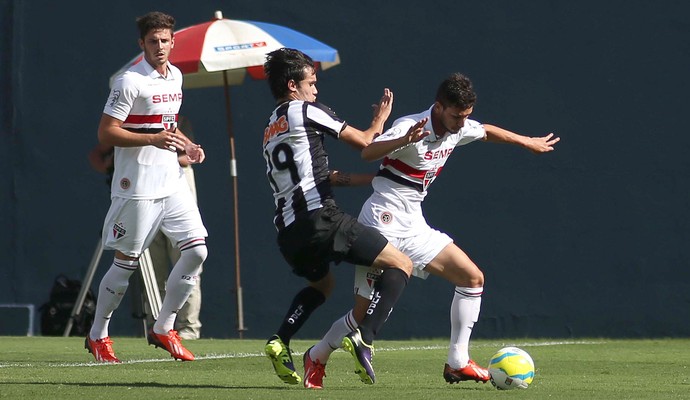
470,372
171,343
314,372
102,349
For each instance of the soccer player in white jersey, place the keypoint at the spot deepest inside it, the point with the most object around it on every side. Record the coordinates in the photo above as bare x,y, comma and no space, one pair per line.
148,191
411,163
312,230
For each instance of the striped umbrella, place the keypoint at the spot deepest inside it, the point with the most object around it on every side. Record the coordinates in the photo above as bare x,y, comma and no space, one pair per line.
212,52
221,52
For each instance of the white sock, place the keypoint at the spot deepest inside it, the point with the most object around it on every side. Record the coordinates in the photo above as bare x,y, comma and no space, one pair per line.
180,284
110,292
331,341
464,312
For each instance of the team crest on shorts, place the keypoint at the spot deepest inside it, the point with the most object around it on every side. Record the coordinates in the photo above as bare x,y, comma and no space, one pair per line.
372,278
386,217
118,230
125,183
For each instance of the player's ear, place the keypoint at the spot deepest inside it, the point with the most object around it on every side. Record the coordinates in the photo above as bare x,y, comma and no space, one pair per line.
141,44
438,107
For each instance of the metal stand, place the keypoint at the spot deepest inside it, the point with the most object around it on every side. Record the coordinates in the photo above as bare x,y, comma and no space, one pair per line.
148,276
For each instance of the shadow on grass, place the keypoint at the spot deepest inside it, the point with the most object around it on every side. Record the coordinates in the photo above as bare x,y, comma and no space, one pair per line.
146,385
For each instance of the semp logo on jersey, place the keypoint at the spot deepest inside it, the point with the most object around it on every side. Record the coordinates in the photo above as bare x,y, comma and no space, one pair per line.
118,230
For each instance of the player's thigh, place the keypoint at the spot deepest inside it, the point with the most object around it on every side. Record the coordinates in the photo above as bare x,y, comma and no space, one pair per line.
390,257
131,225
182,220
422,248
455,266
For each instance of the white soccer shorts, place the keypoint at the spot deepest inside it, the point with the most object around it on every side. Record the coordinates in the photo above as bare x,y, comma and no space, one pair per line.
421,248
131,225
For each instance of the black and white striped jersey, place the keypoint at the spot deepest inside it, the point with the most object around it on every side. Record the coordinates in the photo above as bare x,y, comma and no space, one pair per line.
296,160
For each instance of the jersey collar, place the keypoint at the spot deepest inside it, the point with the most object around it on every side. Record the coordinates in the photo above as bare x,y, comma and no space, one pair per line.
153,74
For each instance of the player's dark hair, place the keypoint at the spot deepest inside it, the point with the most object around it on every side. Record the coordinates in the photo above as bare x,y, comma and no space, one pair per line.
153,21
456,91
283,65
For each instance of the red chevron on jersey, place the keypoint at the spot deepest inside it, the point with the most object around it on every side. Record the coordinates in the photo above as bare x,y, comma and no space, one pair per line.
404,168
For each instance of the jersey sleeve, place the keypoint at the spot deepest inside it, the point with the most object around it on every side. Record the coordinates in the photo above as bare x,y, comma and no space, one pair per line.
122,96
324,119
399,129
472,131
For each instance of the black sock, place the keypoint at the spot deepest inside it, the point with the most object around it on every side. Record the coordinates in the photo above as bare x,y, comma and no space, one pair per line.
391,285
304,303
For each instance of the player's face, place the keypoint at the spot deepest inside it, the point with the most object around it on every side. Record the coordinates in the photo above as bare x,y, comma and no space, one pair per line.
306,88
452,119
157,45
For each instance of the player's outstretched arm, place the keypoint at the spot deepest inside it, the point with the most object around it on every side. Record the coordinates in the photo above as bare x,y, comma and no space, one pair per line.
382,111
536,145
382,148
339,178
359,139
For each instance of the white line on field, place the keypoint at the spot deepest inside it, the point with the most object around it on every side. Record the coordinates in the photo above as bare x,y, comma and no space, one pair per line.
247,355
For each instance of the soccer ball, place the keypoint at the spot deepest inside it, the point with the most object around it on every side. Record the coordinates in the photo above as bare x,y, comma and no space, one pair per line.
511,368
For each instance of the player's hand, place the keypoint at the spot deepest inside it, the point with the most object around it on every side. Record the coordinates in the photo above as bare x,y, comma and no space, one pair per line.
417,132
169,140
195,154
542,144
385,106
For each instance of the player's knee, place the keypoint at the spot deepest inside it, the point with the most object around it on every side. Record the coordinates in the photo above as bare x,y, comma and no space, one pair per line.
406,265
403,263
195,254
394,258
324,285
477,279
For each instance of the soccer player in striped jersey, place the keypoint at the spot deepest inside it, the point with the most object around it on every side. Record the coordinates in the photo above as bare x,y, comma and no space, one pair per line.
312,230
148,189
411,163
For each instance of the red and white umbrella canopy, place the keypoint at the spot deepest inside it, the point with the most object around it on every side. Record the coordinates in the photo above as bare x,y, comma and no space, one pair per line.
203,51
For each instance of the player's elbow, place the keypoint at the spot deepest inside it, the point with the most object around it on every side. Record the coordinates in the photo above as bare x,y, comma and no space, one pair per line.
105,138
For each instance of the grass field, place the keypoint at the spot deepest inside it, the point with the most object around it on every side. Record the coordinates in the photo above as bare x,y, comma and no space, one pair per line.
60,368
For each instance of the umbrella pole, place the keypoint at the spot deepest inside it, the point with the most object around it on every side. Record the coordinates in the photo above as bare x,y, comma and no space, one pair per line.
233,173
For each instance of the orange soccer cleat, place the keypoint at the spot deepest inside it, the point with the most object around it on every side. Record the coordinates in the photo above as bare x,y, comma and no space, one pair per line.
171,343
102,349
314,372
470,372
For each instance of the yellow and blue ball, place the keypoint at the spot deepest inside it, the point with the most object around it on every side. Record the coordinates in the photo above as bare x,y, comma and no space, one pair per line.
511,368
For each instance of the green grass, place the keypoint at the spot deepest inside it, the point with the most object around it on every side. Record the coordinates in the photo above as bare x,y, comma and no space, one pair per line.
60,368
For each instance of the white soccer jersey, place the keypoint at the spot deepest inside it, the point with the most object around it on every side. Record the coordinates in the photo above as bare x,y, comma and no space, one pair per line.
296,160
146,102
395,207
